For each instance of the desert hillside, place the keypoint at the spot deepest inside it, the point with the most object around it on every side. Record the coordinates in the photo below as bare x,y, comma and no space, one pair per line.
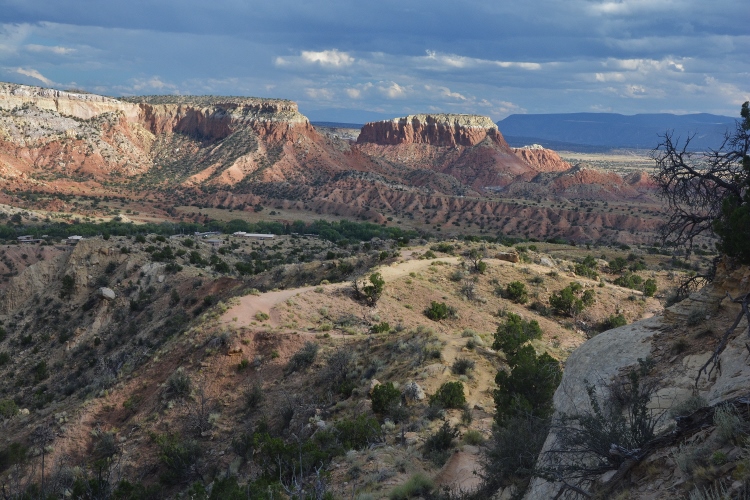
151,364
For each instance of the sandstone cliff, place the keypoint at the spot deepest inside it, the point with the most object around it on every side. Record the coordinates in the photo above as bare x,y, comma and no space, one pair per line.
216,117
77,105
468,148
694,325
445,130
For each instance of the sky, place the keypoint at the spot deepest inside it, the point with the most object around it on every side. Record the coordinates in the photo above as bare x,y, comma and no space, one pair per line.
355,61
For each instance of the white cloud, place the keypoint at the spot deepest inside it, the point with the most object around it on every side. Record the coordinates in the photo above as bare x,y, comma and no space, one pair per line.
358,91
153,83
609,77
328,58
522,65
450,60
499,109
445,92
393,90
319,94
32,73
325,58
434,60
727,91
57,49
647,65
635,90
628,7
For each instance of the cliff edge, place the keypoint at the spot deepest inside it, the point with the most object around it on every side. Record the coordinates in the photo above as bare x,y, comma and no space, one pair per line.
446,130
676,345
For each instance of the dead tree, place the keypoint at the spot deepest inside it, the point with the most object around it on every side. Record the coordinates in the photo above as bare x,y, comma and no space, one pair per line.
696,185
41,437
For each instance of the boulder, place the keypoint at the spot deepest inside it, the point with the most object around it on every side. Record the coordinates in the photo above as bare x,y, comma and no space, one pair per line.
508,257
373,383
107,293
546,262
413,392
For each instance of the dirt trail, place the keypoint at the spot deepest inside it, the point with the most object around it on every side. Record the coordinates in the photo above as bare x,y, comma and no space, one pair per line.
250,305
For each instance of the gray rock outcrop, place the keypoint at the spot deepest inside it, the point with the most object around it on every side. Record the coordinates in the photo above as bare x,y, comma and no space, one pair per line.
107,293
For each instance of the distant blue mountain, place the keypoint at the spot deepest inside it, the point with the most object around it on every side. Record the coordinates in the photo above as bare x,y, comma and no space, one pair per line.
601,131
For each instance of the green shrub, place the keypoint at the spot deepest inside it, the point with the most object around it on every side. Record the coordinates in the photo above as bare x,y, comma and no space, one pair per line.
443,247
14,454
4,358
370,290
511,454
516,291
629,280
68,286
8,408
382,327
418,485
40,371
529,386
649,287
473,437
515,332
384,397
303,358
462,366
358,433
3,334
253,397
177,455
729,424
439,311
449,395
614,321
571,300
587,268
179,384
438,444
617,265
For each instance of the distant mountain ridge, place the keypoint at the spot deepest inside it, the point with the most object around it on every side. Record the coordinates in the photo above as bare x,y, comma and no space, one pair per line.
584,131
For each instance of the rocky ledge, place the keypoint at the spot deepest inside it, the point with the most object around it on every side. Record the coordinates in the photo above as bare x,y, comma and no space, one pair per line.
69,103
437,130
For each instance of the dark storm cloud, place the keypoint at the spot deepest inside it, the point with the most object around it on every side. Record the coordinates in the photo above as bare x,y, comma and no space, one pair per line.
393,57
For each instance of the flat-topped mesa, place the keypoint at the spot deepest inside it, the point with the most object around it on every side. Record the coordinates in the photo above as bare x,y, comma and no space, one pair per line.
436,130
216,116
212,117
70,103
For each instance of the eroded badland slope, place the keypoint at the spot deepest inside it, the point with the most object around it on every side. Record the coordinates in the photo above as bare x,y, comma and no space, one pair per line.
452,172
125,363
